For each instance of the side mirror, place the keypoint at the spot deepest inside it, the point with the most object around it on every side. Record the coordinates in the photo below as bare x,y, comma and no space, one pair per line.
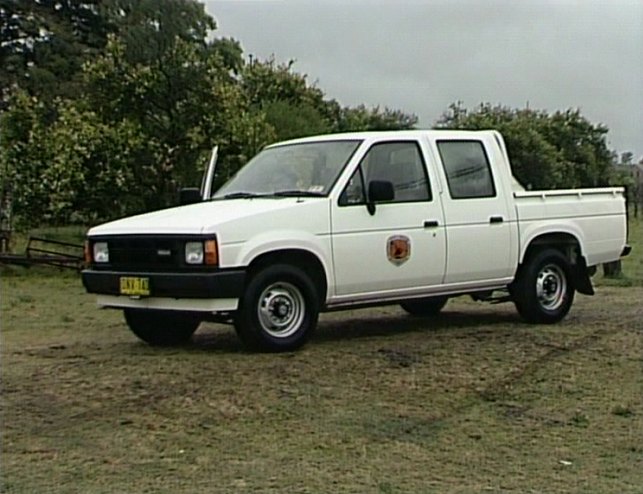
379,191
189,195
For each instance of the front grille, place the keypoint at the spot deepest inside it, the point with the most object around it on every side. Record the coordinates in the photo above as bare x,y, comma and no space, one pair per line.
146,253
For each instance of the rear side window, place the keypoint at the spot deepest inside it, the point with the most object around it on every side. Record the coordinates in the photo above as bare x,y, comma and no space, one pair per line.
467,169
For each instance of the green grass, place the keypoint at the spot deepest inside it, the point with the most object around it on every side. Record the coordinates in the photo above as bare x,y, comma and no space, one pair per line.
474,401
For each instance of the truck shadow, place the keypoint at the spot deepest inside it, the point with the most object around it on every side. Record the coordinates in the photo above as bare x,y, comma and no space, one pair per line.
390,325
361,325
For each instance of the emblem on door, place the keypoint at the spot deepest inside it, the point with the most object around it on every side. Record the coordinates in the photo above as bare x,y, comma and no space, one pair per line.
398,249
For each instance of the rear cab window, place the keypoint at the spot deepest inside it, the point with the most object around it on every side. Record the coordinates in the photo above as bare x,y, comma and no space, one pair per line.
467,169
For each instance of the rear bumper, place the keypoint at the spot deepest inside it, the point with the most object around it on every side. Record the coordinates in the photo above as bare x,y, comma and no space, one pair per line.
224,284
626,250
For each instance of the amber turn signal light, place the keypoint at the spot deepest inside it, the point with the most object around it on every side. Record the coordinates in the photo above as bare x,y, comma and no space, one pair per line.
211,254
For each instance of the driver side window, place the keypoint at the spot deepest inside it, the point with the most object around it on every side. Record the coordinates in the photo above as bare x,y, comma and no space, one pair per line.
398,162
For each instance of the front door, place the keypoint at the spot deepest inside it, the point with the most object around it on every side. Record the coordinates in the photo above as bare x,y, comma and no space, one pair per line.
393,246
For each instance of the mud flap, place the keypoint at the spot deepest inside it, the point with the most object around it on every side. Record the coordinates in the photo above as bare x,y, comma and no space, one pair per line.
582,281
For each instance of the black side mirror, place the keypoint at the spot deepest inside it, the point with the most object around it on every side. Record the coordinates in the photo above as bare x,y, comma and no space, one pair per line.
379,191
189,195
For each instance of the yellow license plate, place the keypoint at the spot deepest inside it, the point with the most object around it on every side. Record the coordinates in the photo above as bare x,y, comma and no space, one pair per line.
135,286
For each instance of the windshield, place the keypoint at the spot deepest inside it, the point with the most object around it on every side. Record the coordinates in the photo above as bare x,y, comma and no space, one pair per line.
306,169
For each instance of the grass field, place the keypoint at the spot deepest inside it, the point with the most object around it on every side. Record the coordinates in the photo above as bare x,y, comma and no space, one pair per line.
473,401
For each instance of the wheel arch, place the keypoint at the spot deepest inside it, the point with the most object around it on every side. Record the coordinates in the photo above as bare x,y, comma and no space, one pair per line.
566,242
304,259
570,246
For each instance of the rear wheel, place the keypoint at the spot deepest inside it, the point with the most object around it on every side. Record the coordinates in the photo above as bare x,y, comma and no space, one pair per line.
429,306
543,291
162,327
279,309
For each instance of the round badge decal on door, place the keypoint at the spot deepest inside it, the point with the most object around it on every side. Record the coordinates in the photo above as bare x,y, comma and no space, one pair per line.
398,249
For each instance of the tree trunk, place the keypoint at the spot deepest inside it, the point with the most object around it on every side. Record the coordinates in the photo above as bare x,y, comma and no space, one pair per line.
612,269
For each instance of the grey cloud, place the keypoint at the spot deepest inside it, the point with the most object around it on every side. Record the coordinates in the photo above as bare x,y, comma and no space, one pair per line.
419,56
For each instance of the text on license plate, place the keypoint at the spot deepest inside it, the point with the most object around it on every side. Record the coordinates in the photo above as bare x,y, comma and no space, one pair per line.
134,286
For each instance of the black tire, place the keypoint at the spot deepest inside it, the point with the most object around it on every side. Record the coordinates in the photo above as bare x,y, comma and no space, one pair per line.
425,307
279,309
543,291
162,327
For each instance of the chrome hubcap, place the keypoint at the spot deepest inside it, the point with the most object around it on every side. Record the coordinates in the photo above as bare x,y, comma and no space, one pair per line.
551,287
281,309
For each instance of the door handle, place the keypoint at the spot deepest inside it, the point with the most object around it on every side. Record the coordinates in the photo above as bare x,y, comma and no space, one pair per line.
431,223
496,219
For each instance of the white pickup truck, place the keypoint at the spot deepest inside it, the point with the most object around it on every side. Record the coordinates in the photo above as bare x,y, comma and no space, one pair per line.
349,220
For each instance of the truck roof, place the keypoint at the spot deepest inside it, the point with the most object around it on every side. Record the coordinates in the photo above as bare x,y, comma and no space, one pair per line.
393,134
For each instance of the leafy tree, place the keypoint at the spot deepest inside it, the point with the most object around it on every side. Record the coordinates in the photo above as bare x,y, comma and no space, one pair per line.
230,51
291,105
558,150
363,118
148,28
290,120
265,82
111,105
295,108
43,44
627,158
68,171
185,102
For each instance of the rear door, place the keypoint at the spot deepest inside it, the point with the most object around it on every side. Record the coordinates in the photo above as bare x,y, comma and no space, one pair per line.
480,225
401,244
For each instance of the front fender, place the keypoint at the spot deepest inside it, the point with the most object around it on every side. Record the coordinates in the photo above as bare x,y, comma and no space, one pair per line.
279,240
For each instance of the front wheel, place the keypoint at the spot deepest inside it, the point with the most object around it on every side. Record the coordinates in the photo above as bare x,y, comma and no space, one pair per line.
279,309
543,291
162,327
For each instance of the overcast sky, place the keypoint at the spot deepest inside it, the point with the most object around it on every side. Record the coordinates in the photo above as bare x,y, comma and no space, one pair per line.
421,55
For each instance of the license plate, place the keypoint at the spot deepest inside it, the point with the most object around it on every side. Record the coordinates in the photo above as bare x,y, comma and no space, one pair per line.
134,286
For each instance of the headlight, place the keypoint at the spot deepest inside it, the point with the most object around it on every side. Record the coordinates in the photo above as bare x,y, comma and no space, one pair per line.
202,253
101,252
194,252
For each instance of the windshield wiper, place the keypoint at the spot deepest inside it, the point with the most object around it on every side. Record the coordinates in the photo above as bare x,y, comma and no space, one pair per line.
239,195
279,193
297,193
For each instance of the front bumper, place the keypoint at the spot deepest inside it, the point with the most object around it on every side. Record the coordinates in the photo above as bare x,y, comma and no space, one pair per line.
223,284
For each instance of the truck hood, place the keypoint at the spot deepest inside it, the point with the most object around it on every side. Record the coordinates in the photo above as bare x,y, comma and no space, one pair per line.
196,218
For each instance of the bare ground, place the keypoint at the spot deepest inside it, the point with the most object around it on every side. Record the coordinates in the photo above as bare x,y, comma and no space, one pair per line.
473,401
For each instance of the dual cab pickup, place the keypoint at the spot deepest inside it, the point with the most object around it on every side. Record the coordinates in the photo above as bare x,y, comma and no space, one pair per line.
347,220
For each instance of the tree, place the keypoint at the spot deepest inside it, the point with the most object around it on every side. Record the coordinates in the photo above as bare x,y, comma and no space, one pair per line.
295,108
363,118
559,150
68,171
112,105
185,101
627,158
291,120
43,44
149,28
